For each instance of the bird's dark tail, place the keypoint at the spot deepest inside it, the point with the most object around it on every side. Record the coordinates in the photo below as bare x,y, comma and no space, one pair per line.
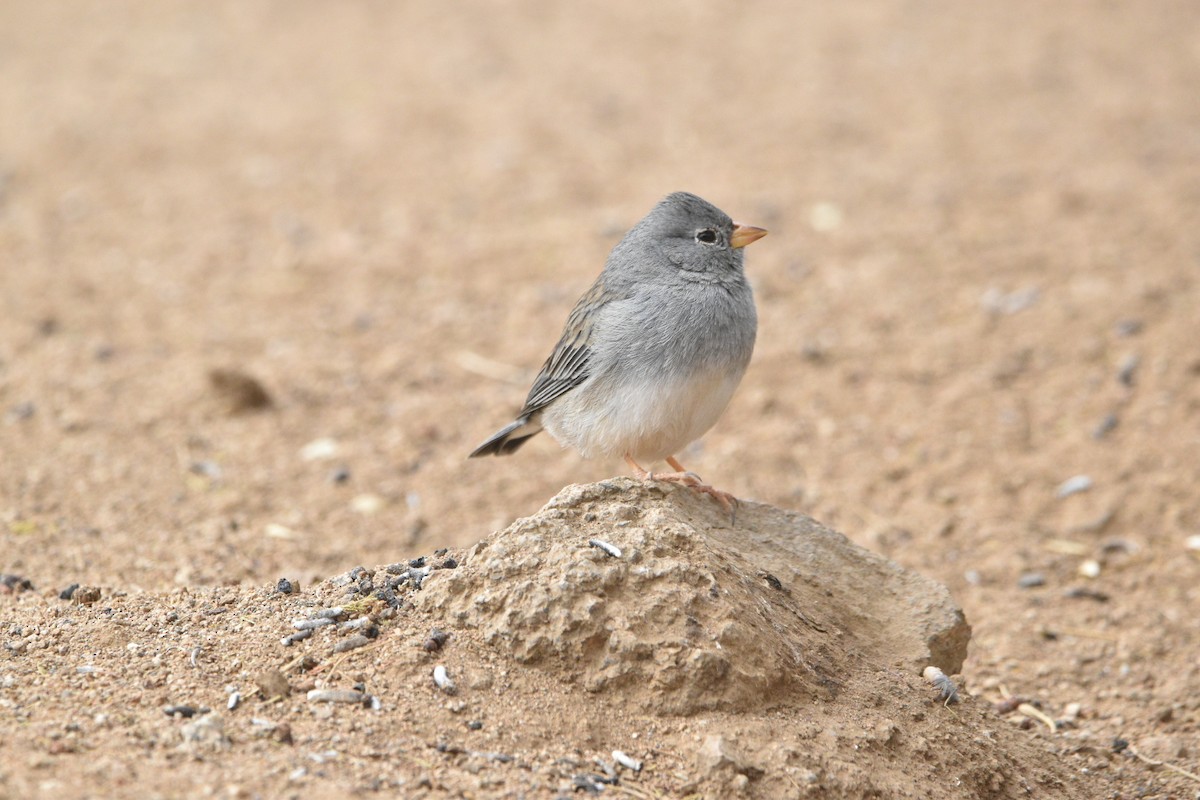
508,439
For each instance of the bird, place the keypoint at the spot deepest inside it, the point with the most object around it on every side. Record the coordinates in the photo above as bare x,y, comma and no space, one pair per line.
652,353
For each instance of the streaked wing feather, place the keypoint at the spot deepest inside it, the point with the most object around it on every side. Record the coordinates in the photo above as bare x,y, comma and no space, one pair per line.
567,366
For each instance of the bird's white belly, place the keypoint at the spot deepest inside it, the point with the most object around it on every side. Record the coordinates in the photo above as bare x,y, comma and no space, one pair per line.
649,419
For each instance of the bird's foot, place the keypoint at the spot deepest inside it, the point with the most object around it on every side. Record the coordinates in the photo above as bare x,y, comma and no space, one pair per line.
689,479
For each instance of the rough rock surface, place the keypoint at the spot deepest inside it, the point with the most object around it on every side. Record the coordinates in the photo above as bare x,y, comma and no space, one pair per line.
698,611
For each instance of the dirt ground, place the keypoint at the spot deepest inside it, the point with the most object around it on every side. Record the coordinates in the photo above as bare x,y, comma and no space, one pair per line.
977,356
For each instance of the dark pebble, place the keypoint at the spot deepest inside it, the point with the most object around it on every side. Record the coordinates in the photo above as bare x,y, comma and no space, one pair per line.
339,475
1129,327
351,643
1120,745
1031,580
283,733
417,562
475,725
284,586
240,391
1128,369
187,712
441,551
388,595
449,563
11,584
207,469
585,783
437,637
68,592
1086,593
1105,426
20,411
772,581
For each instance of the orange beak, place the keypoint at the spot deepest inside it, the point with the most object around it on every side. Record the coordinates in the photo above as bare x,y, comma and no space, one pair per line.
746,234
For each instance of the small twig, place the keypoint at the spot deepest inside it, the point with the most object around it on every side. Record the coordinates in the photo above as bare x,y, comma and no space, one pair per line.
1081,634
1166,764
1029,711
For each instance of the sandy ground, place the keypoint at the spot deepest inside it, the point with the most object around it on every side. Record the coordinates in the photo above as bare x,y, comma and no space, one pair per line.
981,282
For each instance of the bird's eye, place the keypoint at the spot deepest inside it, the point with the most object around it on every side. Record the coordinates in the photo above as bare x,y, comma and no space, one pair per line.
707,236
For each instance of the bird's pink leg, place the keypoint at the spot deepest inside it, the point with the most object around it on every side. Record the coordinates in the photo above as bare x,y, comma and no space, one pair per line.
686,478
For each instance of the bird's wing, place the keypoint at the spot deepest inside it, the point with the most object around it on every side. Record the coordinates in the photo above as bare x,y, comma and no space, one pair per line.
567,366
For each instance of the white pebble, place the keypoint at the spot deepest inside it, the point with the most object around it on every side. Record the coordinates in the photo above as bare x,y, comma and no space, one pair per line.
626,761
1090,568
366,504
319,450
1075,485
442,679
1192,542
824,217
611,549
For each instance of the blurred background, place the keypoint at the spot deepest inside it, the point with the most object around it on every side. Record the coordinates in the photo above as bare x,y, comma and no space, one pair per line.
269,271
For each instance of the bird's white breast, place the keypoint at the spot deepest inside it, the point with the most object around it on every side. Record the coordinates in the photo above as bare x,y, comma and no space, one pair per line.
649,418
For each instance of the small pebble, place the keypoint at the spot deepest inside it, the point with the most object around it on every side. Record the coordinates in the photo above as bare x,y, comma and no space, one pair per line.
1090,568
442,679
999,302
68,593
449,563
310,624
187,712
235,699
331,613
319,450
1105,426
339,475
626,762
1086,593
338,696
1127,370
417,575
1075,485
366,504
240,391
437,637
612,550
86,595
1031,580
19,412
272,684
298,636
360,624
207,469
1129,327
284,586
351,643
585,783
475,725
1192,542
12,584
